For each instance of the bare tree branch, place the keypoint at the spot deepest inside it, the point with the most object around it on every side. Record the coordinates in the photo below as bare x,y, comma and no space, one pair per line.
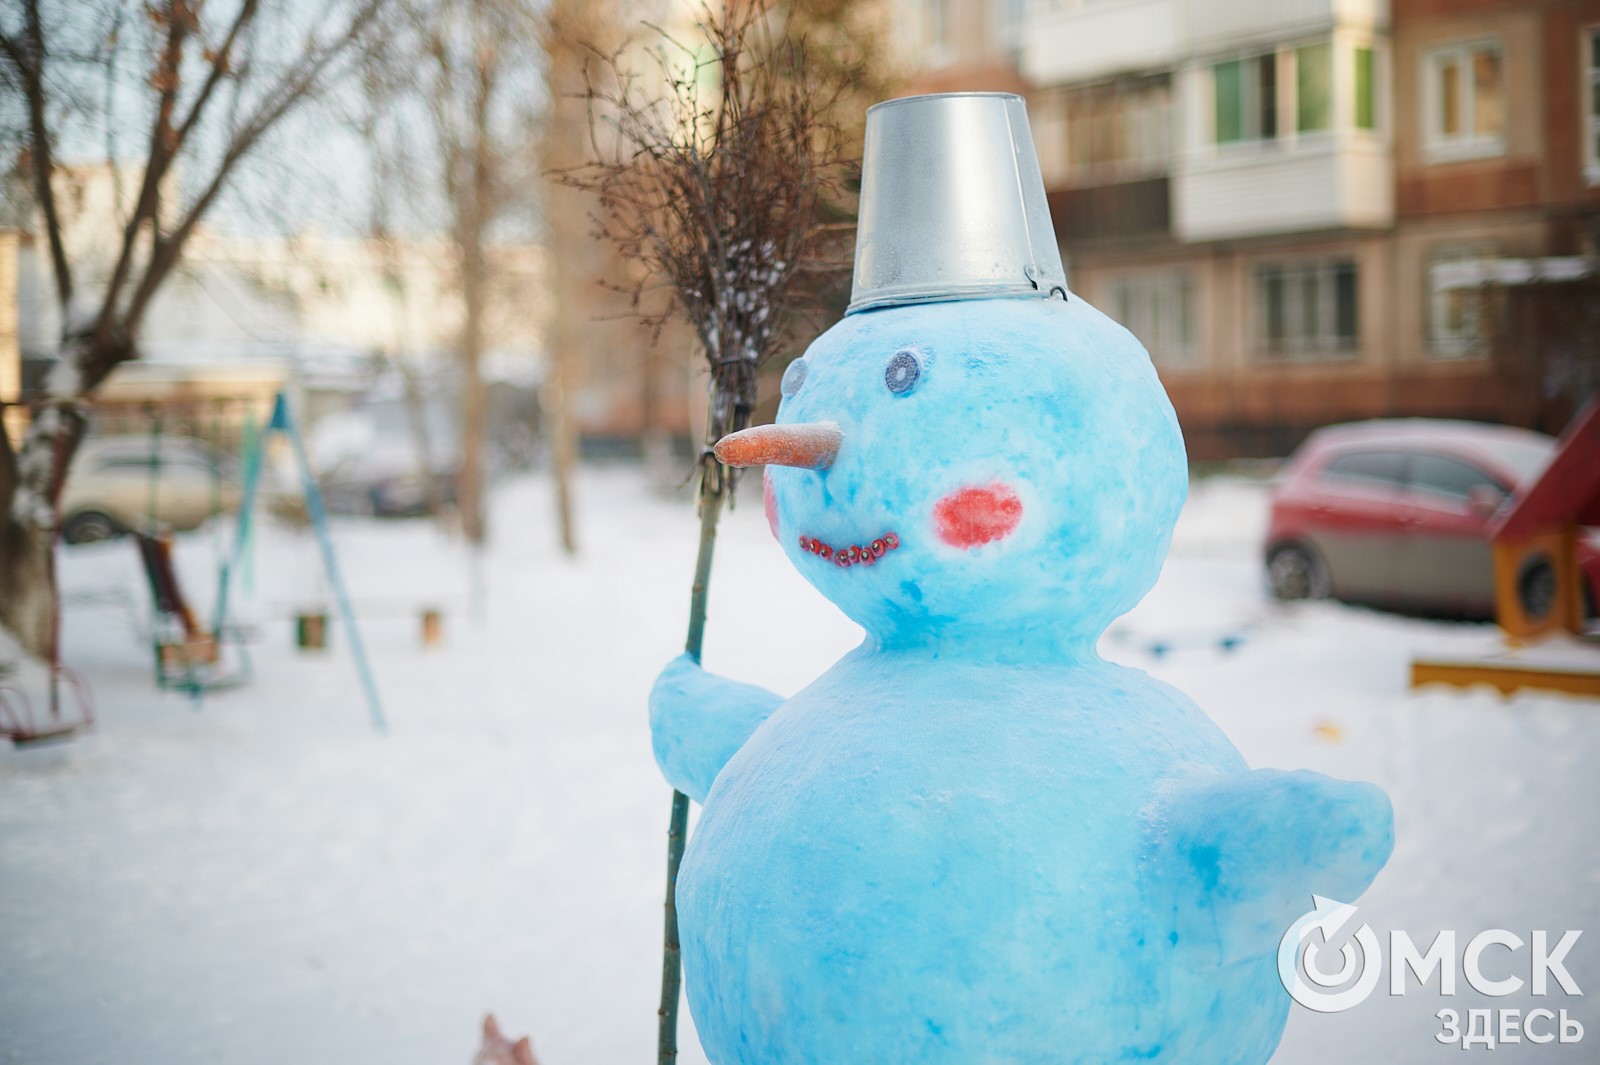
31,477
164,147
113,43
30,64
718,191
291,89
221,66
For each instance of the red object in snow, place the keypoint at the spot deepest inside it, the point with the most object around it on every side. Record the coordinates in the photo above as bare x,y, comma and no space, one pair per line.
1568,491
1541,556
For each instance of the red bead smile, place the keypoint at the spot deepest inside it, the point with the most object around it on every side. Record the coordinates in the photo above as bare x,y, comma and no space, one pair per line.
866,554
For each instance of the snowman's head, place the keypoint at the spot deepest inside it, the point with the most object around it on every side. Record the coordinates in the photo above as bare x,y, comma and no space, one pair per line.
998,474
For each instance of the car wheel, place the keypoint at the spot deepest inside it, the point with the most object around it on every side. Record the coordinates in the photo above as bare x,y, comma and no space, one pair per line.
88,527
1296,573
1536,588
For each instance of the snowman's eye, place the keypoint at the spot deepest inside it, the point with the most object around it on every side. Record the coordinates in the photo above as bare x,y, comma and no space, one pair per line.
902,372
793,378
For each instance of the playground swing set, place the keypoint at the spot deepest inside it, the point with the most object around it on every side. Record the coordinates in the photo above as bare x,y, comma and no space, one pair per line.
189,655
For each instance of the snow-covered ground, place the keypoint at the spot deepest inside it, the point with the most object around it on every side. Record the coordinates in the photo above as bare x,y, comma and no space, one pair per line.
263,879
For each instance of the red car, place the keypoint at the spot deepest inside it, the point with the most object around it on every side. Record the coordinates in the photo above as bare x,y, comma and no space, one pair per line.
1396,513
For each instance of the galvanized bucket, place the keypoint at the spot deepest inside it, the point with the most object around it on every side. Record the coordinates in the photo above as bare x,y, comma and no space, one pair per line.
952,204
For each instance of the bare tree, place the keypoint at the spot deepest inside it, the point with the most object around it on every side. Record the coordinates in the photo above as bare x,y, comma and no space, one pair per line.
849,44
210,91
710,167
462,77
572,28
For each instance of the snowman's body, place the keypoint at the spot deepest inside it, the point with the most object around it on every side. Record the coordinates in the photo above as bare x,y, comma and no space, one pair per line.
972,840
969,902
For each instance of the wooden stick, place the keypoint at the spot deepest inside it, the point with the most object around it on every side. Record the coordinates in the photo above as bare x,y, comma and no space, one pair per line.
713,489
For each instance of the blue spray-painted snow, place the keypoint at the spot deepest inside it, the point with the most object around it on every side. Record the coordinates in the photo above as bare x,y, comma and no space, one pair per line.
725,713
972,839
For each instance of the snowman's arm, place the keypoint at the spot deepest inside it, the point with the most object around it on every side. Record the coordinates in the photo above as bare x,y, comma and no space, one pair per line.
699,720
1248,850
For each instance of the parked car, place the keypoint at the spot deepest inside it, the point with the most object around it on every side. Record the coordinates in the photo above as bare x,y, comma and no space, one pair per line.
384,485
1397,513
120,483
367,459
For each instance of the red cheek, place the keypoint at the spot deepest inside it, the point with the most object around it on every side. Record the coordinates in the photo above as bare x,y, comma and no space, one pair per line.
769,503
969,517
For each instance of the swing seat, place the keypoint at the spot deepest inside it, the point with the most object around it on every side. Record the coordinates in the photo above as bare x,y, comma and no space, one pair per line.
56,733
201,649
188,658
18,724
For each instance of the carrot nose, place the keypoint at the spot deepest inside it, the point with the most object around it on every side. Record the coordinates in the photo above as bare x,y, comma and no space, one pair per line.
810,446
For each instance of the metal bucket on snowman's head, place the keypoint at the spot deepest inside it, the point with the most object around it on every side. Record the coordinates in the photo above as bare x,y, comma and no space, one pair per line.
952,204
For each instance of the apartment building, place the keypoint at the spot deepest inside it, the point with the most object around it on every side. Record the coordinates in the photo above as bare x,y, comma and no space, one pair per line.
1281,199
1495,140
959,45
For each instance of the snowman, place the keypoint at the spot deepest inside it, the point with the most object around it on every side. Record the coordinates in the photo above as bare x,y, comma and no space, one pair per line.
972,839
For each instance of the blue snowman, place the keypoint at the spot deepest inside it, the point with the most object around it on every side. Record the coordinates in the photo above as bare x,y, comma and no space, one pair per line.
971,839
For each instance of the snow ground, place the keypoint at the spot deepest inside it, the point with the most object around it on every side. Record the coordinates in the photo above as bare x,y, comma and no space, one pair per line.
265,880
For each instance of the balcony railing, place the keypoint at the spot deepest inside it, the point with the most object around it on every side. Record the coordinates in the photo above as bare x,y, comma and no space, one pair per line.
1128,210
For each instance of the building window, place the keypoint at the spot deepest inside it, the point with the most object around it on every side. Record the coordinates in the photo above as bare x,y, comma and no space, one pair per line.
1307,311
1246,93
1158,308
1313,84
1458,323
1591,105
1007,15
1366,90
1464,101
1119,131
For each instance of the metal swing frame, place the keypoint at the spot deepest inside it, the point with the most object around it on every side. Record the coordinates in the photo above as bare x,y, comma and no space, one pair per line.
283,422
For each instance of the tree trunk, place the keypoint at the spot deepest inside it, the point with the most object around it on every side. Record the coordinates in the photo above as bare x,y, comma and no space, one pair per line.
34,479
563,446
421,437
27,586
474,395
570,246
648,389
564,338
475,207
31,480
